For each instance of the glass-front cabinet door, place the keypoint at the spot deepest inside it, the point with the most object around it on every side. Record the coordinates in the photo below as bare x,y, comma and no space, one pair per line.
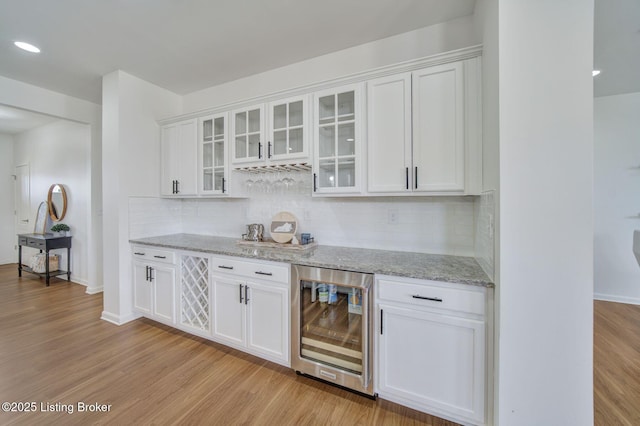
337,158
213,161
288,127
248,135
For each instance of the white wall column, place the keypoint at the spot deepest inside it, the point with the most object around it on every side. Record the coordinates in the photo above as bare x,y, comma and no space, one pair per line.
545,288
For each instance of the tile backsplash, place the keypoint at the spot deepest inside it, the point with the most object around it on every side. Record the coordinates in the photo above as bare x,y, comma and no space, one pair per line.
441,225
485,233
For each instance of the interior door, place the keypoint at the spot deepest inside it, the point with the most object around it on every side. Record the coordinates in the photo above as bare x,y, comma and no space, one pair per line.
24,222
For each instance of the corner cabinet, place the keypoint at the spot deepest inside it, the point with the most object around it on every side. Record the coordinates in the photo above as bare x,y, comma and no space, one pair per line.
213,176
431,347
337,141
424,133
179,159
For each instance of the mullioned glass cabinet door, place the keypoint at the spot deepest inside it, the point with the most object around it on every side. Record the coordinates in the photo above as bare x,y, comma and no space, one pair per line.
213,145
337,140
288,127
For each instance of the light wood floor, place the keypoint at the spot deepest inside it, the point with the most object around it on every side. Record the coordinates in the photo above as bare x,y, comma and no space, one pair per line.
55,349
616,364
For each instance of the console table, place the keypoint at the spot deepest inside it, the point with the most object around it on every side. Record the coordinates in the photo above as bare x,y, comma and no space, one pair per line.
44,242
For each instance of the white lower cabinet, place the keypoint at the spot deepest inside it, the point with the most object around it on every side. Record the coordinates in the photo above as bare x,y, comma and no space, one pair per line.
431,348
154,285
249,314
194,302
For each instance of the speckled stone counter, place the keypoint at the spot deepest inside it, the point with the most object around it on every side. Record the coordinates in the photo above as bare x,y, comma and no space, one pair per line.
455,269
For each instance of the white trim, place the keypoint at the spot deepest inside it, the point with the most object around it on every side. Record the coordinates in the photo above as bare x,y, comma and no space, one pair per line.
94,290
116,319
616,298
411,65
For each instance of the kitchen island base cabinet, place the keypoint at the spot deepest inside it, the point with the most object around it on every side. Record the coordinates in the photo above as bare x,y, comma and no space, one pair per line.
431,354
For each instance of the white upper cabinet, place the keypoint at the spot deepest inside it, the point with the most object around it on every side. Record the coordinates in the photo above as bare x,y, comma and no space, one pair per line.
271,133
179,153
389,133
214,168
423,131
438,128
337,144
288,129
248,130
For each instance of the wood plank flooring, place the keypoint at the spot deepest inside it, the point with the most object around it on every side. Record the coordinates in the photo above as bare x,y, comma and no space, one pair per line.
55,351
616,364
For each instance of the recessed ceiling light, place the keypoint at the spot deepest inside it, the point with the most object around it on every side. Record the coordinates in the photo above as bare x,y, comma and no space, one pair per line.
595,72
26,46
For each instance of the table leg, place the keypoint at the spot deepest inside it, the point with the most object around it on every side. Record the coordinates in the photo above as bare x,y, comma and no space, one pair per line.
68,264
19,260
46,266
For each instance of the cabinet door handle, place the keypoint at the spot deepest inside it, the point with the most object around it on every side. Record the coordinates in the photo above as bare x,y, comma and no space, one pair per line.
151,277
160,257
177,186
173,186
415,178
263,273
269,150
381,320
246,294
406,169
315,182
259,150
433,299
139,253
225,267
240,288
223,189
147,277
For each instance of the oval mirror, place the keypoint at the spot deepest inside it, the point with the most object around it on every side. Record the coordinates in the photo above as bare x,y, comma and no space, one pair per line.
57,200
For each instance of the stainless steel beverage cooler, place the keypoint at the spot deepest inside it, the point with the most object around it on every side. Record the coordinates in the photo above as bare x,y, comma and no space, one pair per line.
331,326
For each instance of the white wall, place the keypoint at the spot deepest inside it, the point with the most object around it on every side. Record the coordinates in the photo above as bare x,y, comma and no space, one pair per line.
616,196
60,152
7,218
423,42
545,280
130,167
26,96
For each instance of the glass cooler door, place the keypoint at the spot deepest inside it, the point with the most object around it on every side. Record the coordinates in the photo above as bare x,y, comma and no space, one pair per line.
332,329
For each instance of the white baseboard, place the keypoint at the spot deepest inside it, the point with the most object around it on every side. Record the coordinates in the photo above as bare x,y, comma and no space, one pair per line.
616,298
117,319
94,290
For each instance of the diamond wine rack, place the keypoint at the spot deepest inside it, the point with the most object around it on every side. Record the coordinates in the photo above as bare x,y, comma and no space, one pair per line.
195,292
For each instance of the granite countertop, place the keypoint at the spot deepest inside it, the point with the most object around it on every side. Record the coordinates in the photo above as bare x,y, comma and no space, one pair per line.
455,269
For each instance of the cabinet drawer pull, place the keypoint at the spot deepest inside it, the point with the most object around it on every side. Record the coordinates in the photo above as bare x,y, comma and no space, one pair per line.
264,273
160,257
433,299
225,267
139,253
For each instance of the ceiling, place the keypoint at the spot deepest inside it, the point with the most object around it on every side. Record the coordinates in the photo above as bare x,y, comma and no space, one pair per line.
14,120
188,45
